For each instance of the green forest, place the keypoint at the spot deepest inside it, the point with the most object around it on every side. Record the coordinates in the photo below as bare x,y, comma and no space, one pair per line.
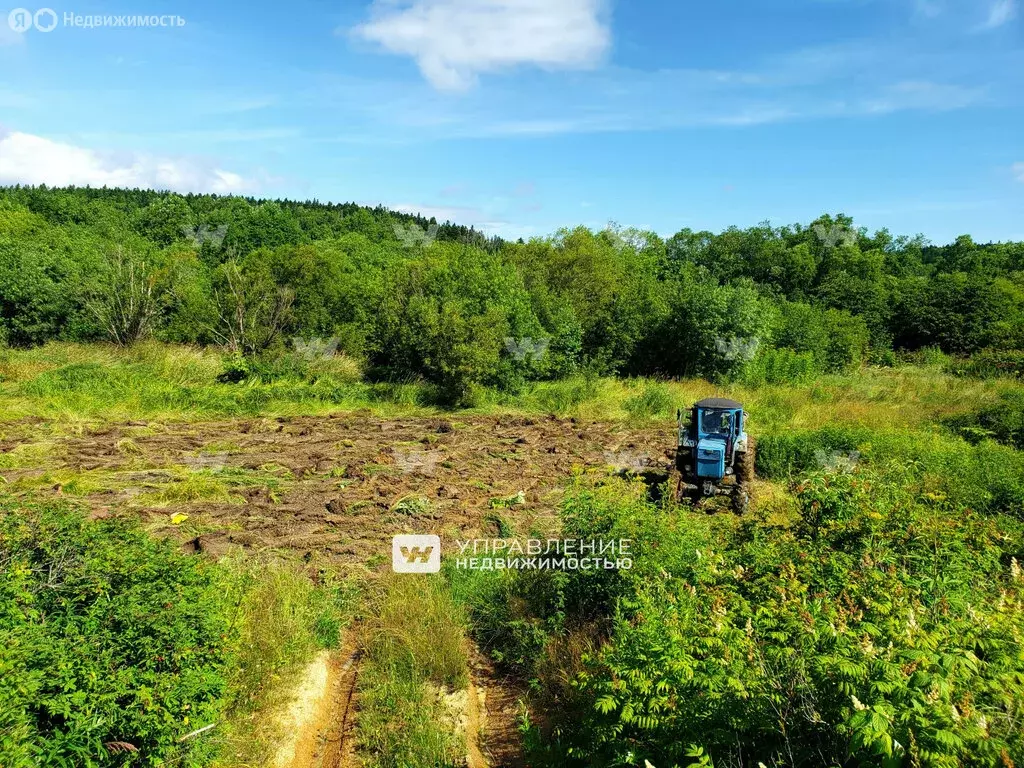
449,306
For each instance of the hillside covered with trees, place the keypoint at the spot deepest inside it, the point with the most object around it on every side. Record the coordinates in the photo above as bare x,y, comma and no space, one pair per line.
444,303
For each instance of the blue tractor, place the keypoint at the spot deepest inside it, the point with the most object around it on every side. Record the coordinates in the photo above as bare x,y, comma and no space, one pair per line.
714,454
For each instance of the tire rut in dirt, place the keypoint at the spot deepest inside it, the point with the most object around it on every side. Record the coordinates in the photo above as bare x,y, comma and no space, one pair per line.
498,698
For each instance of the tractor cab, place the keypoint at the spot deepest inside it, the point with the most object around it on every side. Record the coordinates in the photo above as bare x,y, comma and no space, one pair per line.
712,444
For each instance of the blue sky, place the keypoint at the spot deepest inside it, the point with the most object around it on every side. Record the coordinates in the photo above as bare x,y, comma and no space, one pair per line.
523,116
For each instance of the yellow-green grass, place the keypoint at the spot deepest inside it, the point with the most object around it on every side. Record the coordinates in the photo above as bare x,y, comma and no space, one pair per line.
907,396
152,486
283,619
74,385
81,383
27,455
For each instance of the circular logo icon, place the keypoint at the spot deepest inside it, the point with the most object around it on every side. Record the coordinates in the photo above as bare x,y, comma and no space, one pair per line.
46,20
20,20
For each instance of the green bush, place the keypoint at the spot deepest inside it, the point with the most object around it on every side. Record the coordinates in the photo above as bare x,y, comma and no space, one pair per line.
513,615
1003,421
114,645
930,356
707,329
784,455
458,319
106,636
989,363
985,476
835,339
266,368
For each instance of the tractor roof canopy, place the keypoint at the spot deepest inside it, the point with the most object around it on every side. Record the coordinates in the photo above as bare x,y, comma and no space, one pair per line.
718,402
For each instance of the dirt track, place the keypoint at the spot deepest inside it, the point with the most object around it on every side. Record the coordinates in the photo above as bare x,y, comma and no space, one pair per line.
343,485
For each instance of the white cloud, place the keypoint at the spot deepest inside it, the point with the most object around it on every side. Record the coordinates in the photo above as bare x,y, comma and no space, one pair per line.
455,40
33,160
920,95
702,109
1000,13
853,78
1018,171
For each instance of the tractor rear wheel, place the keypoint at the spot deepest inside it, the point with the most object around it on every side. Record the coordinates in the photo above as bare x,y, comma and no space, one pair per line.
675,485
745,464
744,478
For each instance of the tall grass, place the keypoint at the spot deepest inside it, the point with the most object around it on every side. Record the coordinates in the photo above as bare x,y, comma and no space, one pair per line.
76,383
415,660
282,619
653,401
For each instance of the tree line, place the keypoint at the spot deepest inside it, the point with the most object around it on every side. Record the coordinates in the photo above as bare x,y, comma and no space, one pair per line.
443,302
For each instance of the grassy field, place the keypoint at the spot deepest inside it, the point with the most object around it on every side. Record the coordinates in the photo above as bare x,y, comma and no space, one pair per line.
883,483
76,384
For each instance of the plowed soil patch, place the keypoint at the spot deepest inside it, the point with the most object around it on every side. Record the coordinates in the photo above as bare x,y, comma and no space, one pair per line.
344,485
